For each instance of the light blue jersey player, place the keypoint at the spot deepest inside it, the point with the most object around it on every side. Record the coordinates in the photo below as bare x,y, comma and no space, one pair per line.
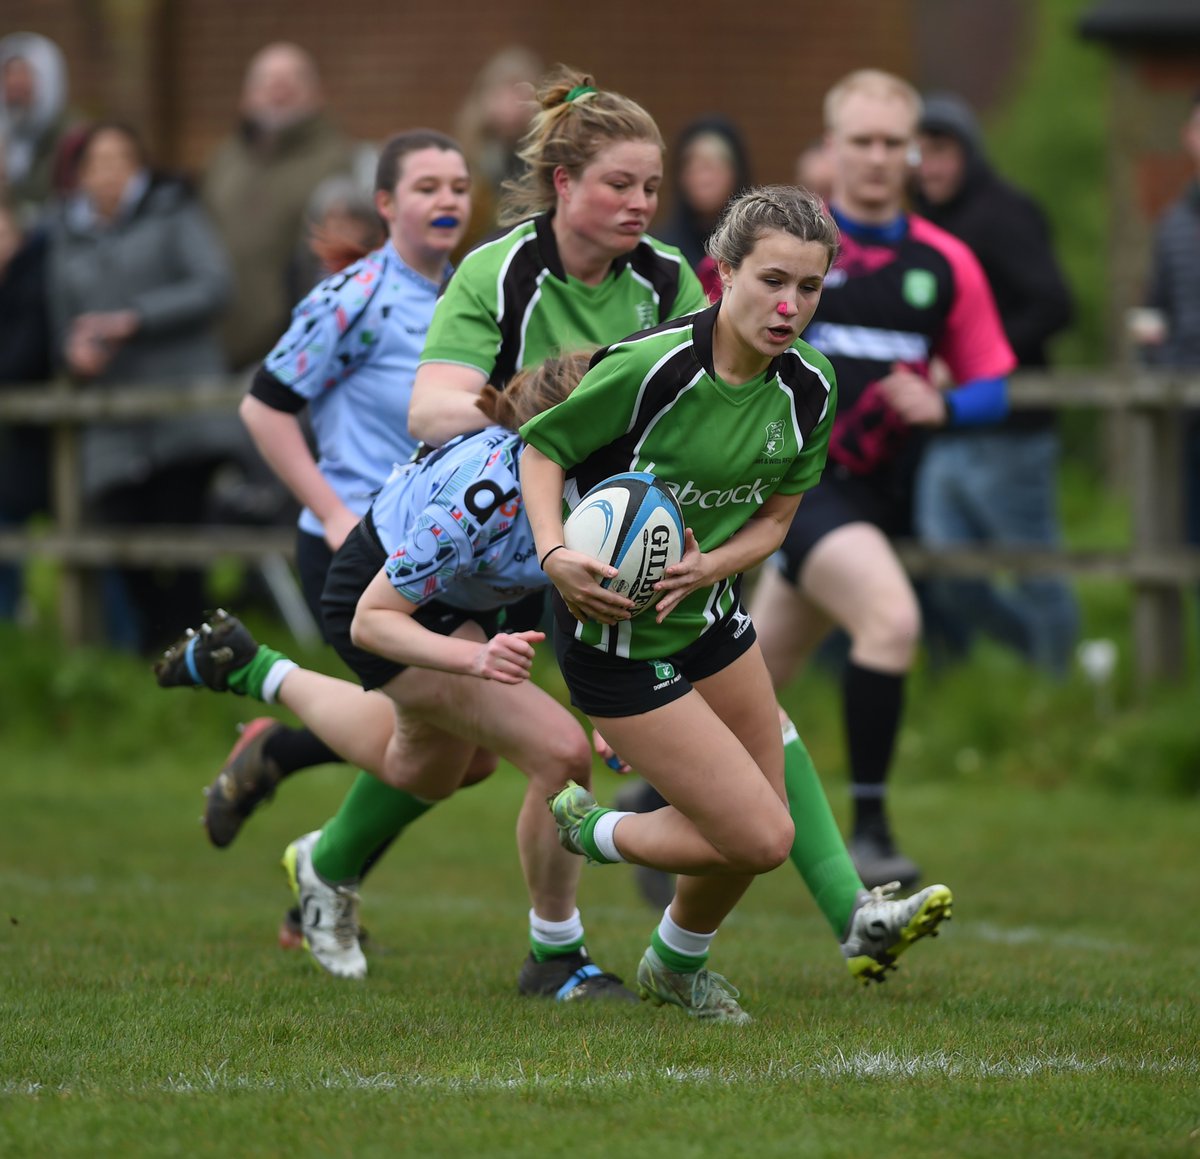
348,358
351,362
411,604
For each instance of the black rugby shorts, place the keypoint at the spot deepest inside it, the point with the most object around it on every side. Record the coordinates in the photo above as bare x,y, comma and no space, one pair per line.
605,685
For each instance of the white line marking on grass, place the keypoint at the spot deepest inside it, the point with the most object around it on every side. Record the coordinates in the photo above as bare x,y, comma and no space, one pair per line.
885,1064
88,884
888,1064
1032,935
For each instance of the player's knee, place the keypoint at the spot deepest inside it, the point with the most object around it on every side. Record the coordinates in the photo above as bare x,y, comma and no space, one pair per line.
777,844
563,755
889,634
764,848
903,626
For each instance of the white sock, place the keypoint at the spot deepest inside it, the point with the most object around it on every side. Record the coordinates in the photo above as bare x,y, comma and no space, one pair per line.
274,678
549,933
603,836
682,941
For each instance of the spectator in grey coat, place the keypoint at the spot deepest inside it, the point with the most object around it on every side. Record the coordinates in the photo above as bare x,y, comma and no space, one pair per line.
136,280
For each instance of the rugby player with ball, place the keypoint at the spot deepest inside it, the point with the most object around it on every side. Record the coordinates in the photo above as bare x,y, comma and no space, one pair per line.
731,410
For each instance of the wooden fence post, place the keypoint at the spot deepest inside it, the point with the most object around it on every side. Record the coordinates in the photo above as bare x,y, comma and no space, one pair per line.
67,502
1156,499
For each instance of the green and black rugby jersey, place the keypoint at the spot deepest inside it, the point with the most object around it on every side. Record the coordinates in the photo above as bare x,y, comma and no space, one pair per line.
653,402
510,304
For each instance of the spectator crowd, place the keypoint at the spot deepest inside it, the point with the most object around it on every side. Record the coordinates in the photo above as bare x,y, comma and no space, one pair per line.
114,272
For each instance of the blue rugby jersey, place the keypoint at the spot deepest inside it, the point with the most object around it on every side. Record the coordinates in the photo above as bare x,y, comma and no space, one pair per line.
351,352
454,526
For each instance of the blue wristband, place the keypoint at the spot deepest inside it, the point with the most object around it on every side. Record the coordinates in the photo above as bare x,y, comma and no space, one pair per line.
975,403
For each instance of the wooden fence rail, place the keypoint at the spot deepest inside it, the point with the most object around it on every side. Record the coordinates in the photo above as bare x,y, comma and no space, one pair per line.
1148,405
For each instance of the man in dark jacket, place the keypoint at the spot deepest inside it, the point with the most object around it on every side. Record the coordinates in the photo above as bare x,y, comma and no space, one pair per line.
257,188
24,359
996,483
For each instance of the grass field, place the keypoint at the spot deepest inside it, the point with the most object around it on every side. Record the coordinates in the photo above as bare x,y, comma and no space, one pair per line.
144,1007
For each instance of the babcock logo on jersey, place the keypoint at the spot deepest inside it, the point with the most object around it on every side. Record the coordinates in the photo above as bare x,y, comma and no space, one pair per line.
688,493
647,316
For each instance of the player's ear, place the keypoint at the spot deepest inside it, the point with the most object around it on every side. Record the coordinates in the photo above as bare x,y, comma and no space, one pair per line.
725,273
562,182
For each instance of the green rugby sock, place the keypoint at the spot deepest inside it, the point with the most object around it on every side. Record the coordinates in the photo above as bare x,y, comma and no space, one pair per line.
588,840
551,939
673,959
818,851
248,680
543,953
371,815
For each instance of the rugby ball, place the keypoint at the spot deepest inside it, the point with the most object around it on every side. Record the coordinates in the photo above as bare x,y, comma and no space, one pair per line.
633,522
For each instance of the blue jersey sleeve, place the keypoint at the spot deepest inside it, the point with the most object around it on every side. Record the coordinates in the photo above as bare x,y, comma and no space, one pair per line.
471,508
329,336
436,551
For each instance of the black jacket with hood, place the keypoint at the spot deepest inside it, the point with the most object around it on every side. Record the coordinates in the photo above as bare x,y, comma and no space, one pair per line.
1010,236
686,228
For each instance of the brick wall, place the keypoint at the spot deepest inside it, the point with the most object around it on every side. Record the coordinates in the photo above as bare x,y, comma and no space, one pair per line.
174,66
1169,82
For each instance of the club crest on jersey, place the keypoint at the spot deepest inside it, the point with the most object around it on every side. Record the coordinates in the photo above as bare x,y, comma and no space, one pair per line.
774,437
645,315
919,289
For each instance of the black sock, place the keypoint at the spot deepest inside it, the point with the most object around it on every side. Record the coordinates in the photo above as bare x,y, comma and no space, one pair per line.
293,749
872,702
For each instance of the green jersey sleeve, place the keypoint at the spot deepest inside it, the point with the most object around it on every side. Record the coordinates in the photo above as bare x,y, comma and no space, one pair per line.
596,413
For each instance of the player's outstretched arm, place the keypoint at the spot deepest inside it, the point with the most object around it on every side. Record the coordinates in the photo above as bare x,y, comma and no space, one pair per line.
384,624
